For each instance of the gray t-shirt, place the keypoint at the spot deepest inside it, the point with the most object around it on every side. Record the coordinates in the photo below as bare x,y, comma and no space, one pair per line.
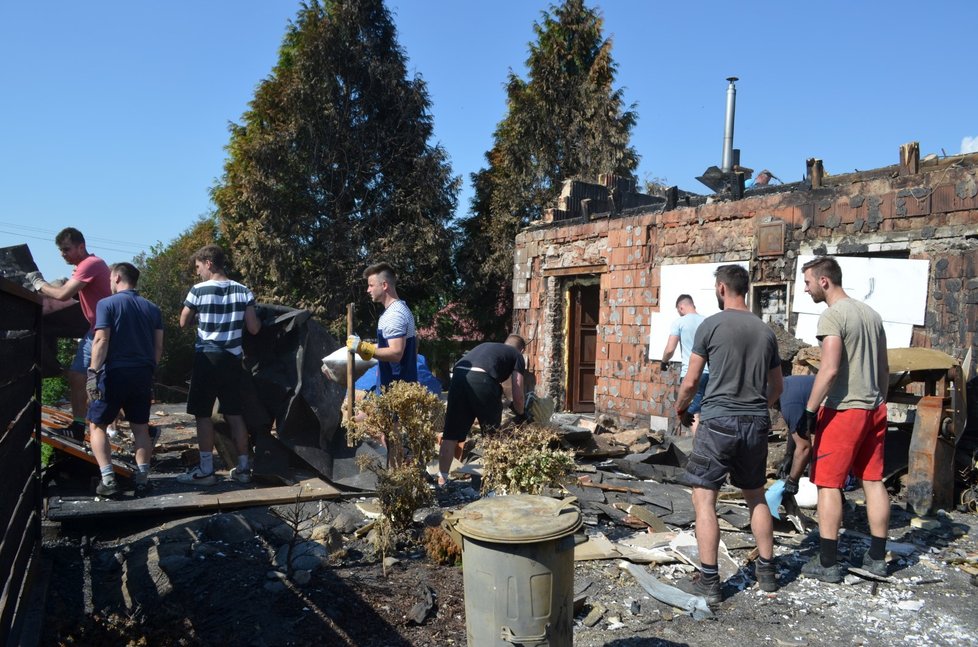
740,349
856,386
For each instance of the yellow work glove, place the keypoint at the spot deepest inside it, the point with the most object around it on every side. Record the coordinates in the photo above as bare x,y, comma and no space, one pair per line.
364,349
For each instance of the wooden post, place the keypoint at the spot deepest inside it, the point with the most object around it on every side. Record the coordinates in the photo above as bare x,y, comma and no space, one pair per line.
350,381
815,172
910,158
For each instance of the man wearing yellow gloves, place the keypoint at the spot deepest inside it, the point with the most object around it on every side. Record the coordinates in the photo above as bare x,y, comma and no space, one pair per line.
397,348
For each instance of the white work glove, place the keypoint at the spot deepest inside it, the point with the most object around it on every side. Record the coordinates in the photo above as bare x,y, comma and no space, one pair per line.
36,279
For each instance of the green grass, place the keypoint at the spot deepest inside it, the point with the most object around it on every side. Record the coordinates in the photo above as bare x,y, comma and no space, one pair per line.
47,455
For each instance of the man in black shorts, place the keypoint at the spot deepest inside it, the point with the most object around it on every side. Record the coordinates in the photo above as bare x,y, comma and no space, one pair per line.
223,309
476,393
126,348
745,379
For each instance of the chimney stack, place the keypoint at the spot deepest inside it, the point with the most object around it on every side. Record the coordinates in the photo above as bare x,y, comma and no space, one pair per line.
728,129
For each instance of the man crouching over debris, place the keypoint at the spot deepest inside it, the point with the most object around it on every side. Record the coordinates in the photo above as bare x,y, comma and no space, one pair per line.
127,346
476,392
745,379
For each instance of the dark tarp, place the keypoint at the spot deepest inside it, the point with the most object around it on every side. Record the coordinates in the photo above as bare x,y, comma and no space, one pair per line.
288,388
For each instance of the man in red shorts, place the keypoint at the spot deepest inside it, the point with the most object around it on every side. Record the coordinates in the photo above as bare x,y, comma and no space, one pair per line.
852,380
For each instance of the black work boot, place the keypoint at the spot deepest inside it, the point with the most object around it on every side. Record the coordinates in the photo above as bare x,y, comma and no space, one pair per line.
703,587
767,576
832,574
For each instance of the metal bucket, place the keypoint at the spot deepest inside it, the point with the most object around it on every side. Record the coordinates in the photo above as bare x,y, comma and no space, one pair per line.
518,570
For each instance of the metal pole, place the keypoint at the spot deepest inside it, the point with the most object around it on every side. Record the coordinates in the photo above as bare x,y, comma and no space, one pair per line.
728,129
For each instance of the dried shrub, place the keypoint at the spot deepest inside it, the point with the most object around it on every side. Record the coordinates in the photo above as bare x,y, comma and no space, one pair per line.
402,490
524,460
408,414
383,537
440,547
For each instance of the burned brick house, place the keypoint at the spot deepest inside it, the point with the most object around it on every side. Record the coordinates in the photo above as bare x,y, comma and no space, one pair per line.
596,279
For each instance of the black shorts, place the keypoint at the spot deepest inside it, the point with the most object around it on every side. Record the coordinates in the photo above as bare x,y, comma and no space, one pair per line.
472,395
729,444
128,389
217,376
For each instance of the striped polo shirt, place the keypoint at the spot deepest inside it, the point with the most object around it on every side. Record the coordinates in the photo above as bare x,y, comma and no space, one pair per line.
397,321
220,308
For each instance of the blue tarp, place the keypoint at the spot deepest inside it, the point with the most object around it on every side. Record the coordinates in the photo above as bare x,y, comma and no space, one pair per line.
368,381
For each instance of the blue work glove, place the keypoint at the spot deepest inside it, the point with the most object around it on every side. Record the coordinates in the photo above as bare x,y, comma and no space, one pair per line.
92,385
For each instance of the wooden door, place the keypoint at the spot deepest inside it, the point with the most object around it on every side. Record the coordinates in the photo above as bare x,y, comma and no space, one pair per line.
583,347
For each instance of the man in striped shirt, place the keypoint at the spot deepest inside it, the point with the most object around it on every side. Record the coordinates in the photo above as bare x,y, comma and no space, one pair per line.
223,309
397,345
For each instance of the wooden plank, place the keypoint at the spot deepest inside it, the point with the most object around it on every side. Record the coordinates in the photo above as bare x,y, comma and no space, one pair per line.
61,509
576,270
72,448
57,421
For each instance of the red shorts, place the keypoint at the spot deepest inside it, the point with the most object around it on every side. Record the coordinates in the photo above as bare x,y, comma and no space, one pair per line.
850,440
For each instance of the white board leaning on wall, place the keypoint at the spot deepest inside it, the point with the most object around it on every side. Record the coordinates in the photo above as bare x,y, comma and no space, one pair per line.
695,279
896,288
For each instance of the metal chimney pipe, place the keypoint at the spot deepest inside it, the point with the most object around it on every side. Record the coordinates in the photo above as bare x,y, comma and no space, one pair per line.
728,129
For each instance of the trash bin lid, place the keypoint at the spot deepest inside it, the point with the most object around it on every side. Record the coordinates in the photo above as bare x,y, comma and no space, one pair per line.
518,518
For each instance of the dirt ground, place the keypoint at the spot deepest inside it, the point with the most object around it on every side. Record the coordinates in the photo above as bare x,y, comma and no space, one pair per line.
212,580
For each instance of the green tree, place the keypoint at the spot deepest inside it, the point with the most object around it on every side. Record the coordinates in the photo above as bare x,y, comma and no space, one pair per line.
165,277
331,169
565,121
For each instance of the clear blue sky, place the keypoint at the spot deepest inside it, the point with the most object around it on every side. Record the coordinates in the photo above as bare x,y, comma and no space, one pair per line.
113,115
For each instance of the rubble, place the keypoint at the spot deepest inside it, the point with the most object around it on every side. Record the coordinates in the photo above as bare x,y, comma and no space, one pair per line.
189,566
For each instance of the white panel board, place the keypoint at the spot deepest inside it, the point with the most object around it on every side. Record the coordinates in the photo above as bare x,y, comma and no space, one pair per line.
659,323
897,334
694,279
896,288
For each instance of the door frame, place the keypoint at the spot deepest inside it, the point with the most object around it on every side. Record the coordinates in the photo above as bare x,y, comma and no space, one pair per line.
570,374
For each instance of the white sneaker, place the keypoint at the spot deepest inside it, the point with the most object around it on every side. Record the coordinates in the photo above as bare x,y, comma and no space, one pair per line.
241,475
197,477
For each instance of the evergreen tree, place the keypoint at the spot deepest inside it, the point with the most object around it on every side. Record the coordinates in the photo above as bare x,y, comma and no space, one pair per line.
331,169
165,276
565,121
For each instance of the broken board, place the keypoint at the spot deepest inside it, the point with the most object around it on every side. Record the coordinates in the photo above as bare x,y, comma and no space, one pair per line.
873,577
65,508
74,448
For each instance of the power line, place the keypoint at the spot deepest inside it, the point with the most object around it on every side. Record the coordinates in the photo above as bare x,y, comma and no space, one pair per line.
52,234
96,246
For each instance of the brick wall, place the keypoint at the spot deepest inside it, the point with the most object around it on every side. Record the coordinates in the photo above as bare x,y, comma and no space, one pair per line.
929,215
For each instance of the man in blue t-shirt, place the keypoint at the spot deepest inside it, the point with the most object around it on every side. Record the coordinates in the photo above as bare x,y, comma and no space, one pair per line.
681,334
126,348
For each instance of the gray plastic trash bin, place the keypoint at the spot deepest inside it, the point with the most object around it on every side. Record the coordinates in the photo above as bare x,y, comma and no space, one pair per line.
518,570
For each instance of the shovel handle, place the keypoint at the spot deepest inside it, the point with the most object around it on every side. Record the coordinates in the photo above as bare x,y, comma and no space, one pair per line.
350,386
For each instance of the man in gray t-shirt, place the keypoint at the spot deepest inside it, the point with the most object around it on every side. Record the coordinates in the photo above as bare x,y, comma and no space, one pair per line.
745,379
